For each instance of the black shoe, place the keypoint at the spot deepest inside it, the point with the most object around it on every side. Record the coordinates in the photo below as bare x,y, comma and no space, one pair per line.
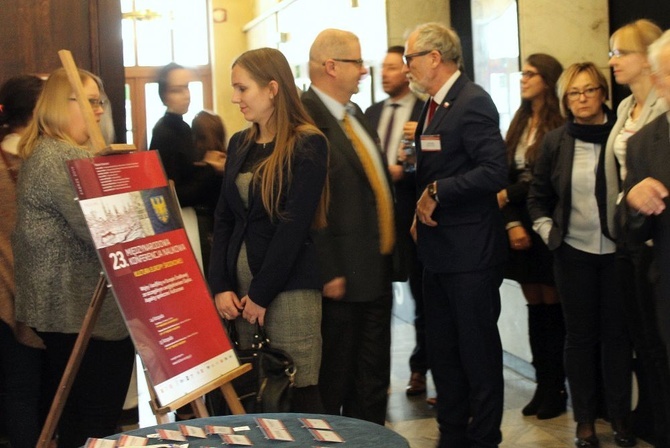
534,404
623,434
416,384
587,442
553,404
585,435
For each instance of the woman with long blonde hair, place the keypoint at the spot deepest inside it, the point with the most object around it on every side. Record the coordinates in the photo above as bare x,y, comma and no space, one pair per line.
264,264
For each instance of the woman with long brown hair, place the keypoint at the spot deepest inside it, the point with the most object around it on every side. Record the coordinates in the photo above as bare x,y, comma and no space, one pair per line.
530,262
264,264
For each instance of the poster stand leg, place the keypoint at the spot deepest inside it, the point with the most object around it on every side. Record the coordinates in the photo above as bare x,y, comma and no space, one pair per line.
73,364
195,398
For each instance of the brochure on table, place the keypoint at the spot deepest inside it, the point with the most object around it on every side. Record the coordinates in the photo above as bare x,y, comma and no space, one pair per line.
137,230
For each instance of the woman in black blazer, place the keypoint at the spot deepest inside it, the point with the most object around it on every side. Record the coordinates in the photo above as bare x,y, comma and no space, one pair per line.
530,262
567,204
264,264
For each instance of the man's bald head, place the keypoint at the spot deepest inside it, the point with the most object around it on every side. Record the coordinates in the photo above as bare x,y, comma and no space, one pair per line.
331,43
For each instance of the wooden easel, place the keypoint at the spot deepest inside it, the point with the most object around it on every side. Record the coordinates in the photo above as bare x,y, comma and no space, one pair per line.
74,362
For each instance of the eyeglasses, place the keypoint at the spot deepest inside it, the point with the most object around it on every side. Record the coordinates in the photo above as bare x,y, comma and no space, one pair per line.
619,53
528,74
409,57
357,62
93,101
588,93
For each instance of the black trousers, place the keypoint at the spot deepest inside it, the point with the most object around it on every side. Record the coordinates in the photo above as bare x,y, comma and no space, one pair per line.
356,361
99,389
418,360
465,355
25,407
652,414
596,334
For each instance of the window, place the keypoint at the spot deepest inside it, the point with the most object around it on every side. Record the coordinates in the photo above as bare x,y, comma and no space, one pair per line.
495,32
155,33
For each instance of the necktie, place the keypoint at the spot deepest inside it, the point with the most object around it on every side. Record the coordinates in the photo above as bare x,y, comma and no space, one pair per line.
383,200
389,127
431,110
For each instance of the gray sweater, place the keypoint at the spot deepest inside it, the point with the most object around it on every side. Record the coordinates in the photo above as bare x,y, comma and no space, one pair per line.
56,265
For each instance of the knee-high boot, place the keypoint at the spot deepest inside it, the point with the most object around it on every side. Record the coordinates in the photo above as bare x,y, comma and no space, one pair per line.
555,397
536,336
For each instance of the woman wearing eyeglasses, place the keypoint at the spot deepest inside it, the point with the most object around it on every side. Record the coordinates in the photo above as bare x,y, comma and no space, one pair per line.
56,266
529,262
628,59
566,203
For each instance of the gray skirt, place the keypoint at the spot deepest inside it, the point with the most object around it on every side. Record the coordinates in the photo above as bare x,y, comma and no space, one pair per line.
292,323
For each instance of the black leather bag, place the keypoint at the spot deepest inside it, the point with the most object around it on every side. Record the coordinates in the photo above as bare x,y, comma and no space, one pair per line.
268,386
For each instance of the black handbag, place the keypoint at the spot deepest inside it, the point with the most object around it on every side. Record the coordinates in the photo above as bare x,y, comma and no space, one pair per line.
268,386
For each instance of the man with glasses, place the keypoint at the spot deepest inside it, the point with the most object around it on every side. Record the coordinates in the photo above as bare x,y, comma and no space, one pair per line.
355,248
461,238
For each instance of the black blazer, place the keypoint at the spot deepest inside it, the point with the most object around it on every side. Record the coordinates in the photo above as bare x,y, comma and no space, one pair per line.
405,195
374,112
281,253
470,169
648,155
195,185
349,246
550,193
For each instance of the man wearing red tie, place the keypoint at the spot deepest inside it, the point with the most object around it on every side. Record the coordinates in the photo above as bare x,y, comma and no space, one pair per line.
461,239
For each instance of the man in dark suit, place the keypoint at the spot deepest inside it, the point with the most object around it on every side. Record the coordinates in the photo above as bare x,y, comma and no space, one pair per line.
461,239
395,118
355,248
646,188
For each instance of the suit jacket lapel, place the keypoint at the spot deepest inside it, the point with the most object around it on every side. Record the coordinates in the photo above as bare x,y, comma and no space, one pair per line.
445,106
566,156
334,131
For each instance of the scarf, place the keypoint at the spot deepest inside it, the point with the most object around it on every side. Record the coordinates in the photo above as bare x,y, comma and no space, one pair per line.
592,133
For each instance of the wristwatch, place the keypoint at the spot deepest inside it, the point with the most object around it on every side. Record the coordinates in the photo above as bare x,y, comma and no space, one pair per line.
432,191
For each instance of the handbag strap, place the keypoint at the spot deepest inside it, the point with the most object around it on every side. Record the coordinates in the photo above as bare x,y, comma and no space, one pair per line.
260,336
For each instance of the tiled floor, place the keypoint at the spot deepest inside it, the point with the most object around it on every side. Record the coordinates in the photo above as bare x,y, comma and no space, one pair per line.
415,420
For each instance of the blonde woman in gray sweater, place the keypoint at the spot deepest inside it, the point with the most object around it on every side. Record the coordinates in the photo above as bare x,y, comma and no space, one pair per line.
56,266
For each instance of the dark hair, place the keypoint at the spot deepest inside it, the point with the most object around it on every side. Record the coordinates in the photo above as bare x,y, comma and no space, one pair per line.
550,116
18,96
162,78
209,134
396,49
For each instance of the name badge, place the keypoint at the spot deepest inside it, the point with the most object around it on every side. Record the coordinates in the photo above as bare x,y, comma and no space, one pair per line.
431,143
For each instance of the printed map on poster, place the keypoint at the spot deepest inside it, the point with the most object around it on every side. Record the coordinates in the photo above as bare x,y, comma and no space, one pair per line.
136,227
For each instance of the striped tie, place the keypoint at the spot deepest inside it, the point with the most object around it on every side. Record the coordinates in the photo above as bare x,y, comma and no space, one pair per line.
383,199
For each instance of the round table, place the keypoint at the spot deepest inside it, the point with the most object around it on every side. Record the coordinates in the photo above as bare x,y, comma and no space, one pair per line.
356,433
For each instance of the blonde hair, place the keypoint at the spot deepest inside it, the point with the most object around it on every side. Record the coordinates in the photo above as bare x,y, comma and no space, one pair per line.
51,116
636,36
291,123
568,76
